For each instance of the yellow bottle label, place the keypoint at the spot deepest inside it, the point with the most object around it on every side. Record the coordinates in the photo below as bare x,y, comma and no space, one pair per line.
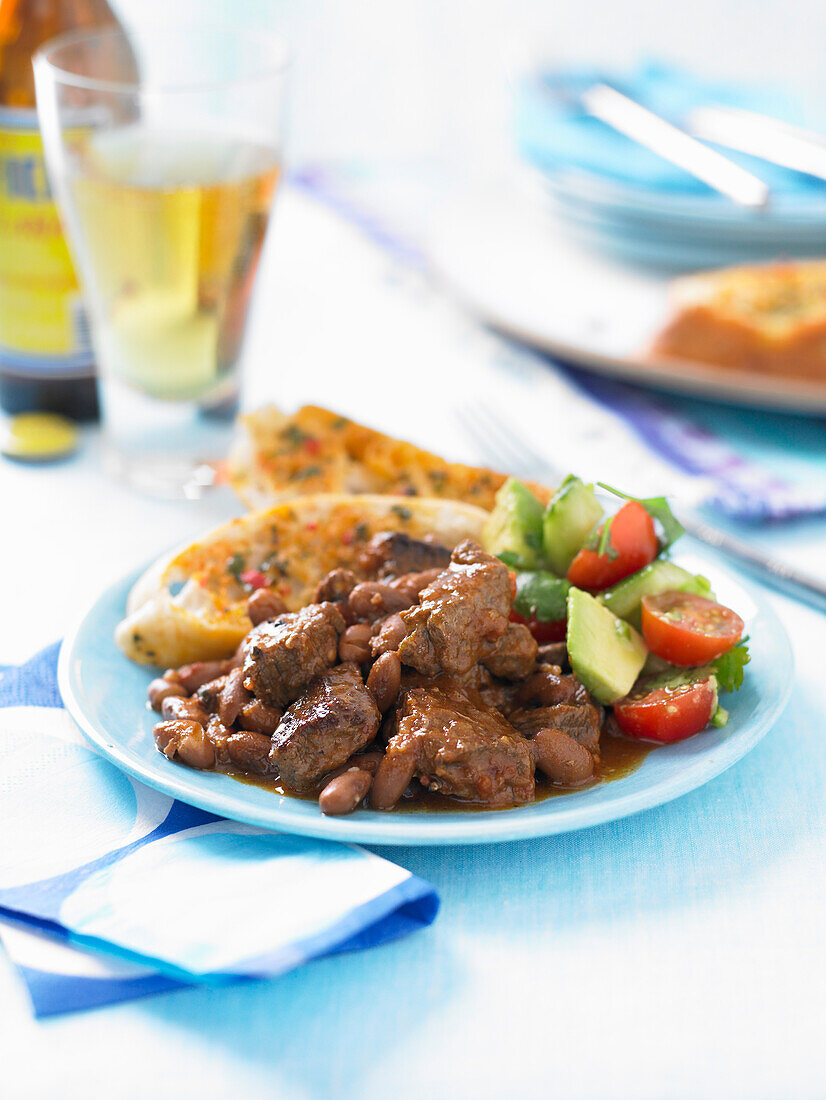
43,328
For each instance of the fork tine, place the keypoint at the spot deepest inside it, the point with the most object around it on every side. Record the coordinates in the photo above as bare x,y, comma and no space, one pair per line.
499,441
518,455
507,430
485,446
492,439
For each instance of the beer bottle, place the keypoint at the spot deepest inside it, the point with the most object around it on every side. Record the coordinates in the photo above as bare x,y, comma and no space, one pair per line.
45,356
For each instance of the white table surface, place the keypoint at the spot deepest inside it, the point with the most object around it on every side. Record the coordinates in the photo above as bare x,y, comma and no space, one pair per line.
678,954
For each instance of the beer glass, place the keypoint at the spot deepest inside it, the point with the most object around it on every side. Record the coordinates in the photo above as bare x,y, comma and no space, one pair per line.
164,151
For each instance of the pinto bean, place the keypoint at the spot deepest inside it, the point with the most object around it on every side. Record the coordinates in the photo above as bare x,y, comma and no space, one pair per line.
233,696
384,680
561,758
257,717
345,792
176,709
337,585
263,604
372,600
196,750
250,752
161,689
354,643
390,636
200,673
168,734
218,734
391,779
208,693
367,761
186,740
411,584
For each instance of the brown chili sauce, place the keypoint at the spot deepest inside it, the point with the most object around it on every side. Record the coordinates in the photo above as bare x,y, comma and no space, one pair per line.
619,757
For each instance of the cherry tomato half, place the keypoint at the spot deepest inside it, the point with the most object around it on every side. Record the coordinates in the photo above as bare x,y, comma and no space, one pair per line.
634,542
688,630
543,632
666,714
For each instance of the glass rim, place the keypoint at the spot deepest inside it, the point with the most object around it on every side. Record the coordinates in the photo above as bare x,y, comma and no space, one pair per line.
44,58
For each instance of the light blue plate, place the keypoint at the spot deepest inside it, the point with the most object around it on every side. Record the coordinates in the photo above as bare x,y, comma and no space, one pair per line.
106,695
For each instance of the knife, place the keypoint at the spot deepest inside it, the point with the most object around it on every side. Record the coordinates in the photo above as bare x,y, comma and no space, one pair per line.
760,136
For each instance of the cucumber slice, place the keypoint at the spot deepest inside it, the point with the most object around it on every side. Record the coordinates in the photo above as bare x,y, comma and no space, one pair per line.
514,530
625,597
570,517
542,596
606,653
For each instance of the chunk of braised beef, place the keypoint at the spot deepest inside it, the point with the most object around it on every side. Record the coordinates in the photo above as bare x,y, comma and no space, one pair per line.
482,684
393,553
478,684
284,654
582,722
514,655
461,615
454,747
333,717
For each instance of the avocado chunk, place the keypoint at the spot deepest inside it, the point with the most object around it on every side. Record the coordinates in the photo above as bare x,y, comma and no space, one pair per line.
605,652
570,517
514,530
625,597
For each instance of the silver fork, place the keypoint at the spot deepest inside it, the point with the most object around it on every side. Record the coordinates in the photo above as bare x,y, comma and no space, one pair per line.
499,444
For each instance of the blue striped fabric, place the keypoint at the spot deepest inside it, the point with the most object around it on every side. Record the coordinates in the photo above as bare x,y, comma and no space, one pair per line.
97,867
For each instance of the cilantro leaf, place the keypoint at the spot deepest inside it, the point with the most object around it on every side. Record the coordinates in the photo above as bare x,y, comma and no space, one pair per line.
659,510
235,566
729,667
599,539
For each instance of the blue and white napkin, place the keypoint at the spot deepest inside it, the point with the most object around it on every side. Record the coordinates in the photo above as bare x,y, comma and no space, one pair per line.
110,890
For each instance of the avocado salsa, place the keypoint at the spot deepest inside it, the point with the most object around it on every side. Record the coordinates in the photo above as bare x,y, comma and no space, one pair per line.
643,635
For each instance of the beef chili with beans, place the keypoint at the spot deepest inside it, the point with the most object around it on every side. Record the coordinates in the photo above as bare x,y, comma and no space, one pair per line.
409,680
408,677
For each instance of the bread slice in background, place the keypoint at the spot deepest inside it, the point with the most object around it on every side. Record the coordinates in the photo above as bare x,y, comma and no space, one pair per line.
765,318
